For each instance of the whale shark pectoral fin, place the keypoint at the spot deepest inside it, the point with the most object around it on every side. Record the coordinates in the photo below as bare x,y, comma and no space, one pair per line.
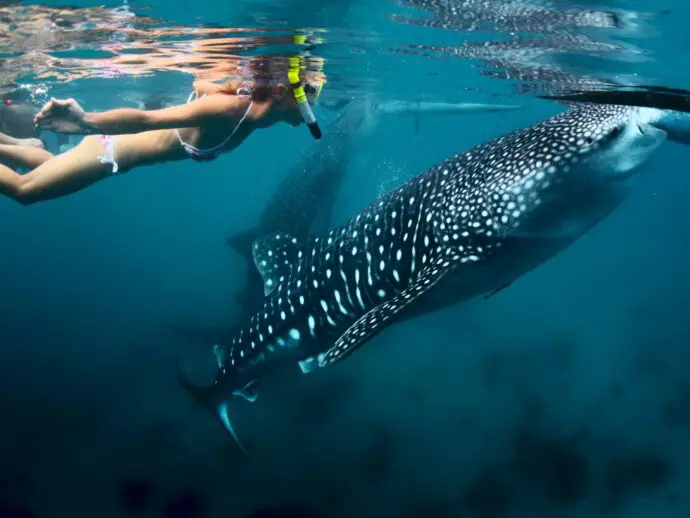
242,242
378,318
274,257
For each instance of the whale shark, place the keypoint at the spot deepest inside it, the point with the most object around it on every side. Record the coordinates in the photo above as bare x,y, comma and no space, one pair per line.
519,16
304,199
17,114
465,227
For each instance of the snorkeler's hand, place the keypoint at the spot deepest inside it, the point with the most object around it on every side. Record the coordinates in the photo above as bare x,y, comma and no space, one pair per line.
62,116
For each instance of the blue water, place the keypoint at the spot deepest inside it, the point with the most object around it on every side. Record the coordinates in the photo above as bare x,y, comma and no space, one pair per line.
565,395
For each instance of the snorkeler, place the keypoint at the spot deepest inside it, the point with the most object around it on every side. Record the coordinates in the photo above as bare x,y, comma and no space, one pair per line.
216,119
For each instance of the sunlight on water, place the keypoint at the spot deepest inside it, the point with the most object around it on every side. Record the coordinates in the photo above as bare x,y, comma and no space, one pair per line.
365,46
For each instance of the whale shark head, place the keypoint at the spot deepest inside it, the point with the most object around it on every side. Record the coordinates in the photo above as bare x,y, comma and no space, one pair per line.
619,144
566,172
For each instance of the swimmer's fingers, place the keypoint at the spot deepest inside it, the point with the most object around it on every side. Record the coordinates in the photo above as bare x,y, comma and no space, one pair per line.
43,112
58,108
44,124
50,109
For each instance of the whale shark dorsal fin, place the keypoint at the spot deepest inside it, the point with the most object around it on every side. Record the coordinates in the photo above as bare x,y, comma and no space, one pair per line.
274,256
378,318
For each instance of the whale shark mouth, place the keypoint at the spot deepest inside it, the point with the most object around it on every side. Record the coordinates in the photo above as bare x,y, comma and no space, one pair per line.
637,142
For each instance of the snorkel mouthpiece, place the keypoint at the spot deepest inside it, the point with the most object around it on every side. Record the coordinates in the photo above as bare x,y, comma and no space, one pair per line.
301,98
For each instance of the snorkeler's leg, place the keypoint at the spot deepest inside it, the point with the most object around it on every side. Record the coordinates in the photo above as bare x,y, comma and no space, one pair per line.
61,175
13,141
8,139
17,157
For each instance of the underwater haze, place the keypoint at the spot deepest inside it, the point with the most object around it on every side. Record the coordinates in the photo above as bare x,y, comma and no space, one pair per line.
565,395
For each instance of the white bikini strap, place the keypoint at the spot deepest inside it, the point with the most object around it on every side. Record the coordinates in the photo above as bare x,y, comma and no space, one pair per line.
108,142
222,144
249,108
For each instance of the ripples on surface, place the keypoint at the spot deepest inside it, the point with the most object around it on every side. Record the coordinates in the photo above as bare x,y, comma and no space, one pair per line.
537,46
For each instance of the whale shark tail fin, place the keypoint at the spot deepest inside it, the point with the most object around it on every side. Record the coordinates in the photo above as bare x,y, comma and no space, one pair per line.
214,399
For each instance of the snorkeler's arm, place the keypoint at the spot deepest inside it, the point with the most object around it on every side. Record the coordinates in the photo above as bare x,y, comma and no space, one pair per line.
66,116
130,120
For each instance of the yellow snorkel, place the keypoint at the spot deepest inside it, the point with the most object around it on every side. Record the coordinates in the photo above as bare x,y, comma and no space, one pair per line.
300,95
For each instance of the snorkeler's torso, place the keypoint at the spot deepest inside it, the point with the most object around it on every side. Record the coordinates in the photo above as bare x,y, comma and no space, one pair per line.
153,147
147,148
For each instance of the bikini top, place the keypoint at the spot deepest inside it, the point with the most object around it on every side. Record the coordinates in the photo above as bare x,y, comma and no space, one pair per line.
206,155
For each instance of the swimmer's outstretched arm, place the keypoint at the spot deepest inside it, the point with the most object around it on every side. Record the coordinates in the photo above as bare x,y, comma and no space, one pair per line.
67,116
